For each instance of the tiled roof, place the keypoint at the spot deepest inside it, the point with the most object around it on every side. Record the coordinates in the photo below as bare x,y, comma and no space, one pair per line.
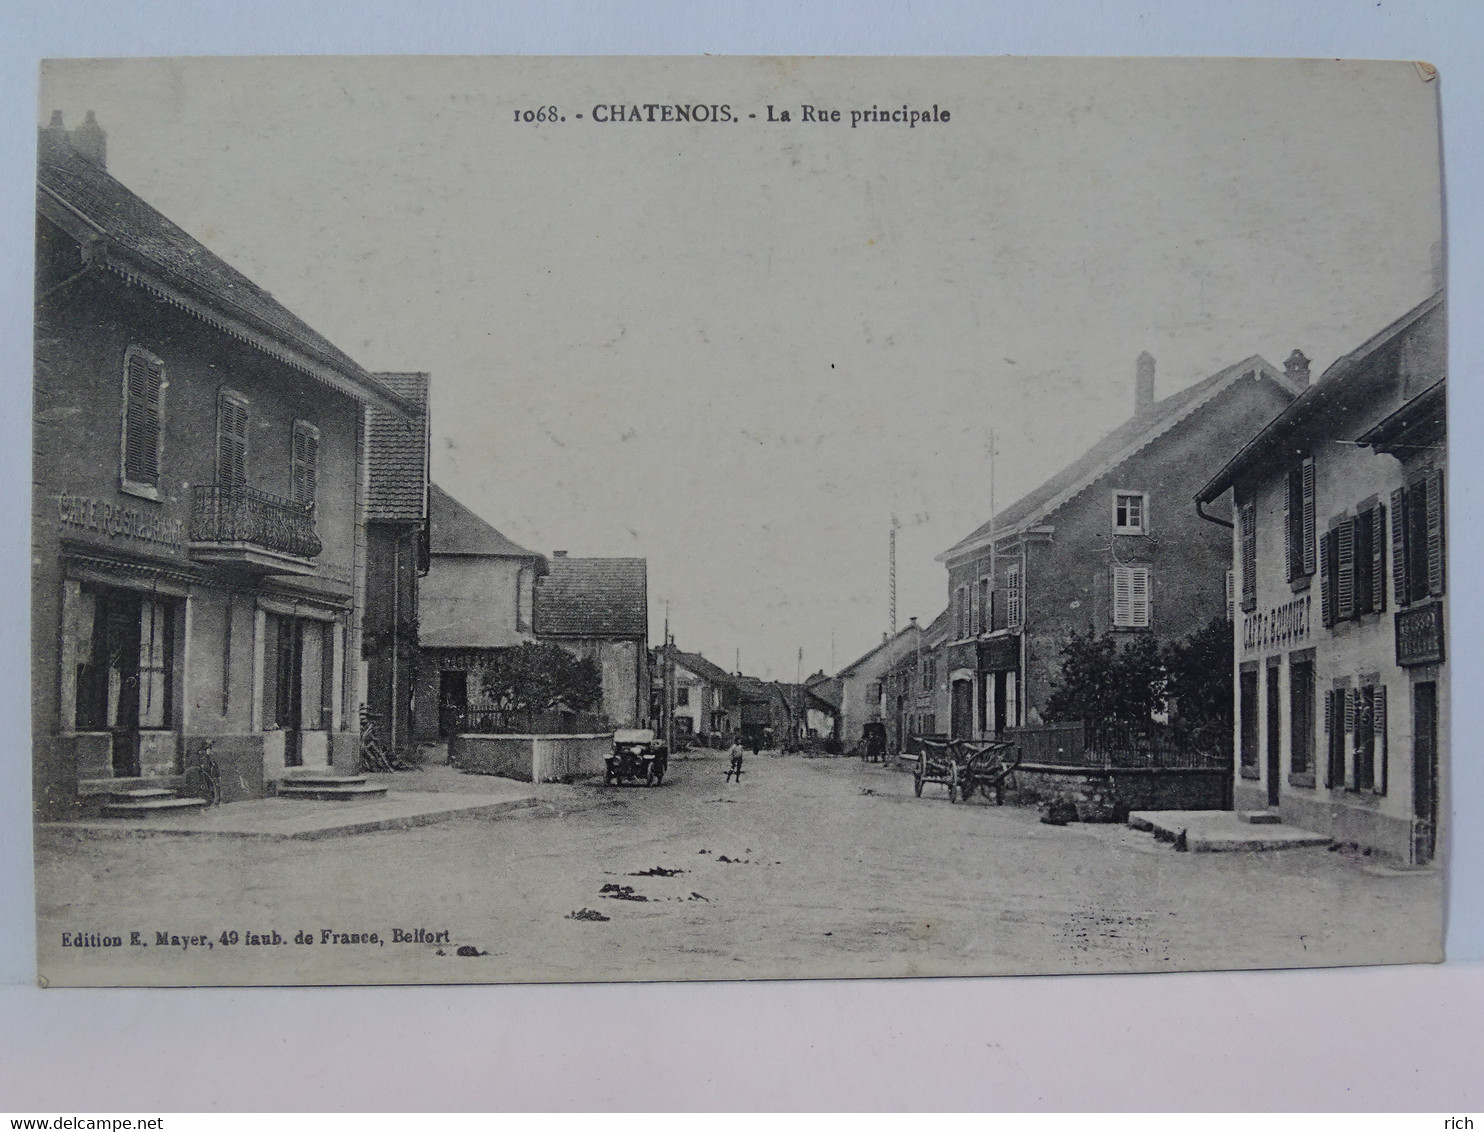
398,486
454,529
827,691
143,234
1123,442
593,598
695,662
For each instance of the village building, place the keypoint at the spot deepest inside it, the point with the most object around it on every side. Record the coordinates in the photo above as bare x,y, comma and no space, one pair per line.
397,556
706,699
822,707
1339,549
479,595
916,687
199,489
1108,544
599,608
863,683
767,710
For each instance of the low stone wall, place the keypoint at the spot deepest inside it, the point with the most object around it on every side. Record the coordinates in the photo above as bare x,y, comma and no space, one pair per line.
531,758
1108,794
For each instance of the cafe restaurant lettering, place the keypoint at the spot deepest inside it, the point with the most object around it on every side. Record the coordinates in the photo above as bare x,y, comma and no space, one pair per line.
1281,625
82,513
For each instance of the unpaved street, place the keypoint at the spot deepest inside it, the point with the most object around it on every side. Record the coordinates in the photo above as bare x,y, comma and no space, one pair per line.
808,868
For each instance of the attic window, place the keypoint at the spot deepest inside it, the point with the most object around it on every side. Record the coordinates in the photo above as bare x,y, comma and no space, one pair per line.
1130,513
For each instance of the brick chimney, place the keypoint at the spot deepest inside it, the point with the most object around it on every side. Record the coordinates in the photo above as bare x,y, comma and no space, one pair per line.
559,554
91,141
1297,369
1143,382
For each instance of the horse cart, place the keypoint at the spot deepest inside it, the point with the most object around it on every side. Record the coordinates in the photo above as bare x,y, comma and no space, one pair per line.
966,767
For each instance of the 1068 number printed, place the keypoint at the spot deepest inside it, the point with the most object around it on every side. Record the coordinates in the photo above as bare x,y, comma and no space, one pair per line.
539,115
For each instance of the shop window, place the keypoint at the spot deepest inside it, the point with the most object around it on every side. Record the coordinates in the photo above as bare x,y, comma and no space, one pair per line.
1247,686
143,422
1131,597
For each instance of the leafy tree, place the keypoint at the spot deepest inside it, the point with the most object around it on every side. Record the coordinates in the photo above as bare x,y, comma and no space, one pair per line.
1200,680
1112,677
532,678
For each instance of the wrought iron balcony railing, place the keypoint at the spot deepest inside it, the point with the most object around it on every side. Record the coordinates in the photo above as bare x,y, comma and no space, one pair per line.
246,516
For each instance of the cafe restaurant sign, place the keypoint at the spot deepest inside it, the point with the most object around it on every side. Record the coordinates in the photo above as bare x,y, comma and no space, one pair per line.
81,513
1281,625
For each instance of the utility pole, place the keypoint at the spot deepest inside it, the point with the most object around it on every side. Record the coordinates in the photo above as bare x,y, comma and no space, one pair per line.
668,674
892,572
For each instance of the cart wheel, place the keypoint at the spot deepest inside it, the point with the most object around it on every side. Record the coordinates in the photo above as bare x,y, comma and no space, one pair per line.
917,784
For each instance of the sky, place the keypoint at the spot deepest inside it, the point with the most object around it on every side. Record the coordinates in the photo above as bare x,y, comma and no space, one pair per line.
738,349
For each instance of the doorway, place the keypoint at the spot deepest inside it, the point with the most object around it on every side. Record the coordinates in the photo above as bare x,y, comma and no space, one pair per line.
1275,738
453,701
126,684
962,720
1424,771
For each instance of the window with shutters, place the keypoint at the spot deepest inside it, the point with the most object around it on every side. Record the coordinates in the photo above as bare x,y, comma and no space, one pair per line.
1014,599
1248,520
1298,510
1352,560
1131,597
1418,539
1301,721
304,474
231,440
143,423
1130,513
1248,753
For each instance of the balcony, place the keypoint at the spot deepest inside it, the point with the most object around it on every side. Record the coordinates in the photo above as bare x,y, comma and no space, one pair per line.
252,530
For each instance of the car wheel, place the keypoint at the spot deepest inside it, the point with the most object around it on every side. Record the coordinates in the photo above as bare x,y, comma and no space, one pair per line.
917,784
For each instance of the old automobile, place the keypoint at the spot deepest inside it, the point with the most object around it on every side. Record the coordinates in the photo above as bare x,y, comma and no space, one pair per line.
637,755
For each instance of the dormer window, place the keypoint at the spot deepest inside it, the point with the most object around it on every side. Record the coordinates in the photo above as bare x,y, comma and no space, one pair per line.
1130,513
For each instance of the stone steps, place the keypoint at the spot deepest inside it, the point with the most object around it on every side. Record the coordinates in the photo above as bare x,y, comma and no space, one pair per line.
148,801
329,787
1260,817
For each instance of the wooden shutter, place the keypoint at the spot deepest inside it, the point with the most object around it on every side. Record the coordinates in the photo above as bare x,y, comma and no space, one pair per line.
1292,520
975,611
1329,738
1378,558
1231,595
1326,578
1306,531
144,382
1400,590
1378,725
1139,597
1435,540
1249,557
231,442
1344,536
1122,596
1014,605
305,461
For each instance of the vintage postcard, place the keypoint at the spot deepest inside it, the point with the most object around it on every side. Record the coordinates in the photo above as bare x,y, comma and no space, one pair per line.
521,519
